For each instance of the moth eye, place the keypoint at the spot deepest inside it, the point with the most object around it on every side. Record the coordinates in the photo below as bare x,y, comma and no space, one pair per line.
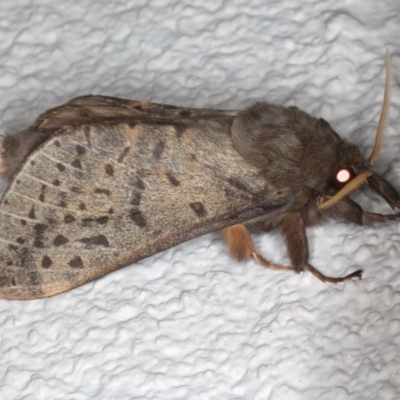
343,176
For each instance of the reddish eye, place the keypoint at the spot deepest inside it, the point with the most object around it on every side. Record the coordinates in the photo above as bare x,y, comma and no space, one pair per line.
343,176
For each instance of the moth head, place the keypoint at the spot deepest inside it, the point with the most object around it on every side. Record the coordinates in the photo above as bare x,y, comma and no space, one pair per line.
352,172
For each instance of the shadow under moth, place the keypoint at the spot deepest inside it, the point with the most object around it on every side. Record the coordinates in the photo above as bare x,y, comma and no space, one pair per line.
100,182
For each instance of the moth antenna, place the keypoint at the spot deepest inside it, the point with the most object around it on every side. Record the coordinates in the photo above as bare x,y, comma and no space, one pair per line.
385,110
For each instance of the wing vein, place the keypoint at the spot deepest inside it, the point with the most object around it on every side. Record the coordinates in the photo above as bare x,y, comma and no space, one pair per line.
43,204
44,182
16,216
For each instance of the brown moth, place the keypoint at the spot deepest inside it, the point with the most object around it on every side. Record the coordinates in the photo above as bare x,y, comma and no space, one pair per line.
100,182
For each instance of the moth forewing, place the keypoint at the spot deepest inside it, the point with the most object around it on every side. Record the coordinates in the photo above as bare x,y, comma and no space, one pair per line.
95,198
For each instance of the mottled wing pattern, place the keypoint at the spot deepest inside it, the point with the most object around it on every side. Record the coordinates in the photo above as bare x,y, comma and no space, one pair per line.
93,199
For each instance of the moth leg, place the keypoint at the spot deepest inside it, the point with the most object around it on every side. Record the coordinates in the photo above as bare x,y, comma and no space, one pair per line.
296,241
241,247
348,211
324,278
266,263
370,217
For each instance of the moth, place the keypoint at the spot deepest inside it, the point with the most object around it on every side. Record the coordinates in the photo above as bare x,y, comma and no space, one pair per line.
101,182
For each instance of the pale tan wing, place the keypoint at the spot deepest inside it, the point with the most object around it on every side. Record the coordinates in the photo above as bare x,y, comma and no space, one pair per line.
93,199
96,110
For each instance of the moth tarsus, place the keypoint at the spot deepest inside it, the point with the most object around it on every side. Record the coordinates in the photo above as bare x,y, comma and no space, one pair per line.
101,182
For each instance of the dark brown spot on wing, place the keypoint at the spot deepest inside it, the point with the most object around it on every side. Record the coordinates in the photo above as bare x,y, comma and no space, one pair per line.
82,206
57,143
138,182
39,234
76,262
229,192
20,240
180,130
137,218
60,240
123,154
46,262
158,149
80,149
68,219
101,220
198,208
238,185
102,191
56,182
41,197
77,164
172,179
23,222
109,170
31,214
136,197
86,131
99,240
75,189
60,167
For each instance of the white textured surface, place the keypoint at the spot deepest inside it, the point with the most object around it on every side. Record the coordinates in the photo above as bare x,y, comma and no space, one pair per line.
189,323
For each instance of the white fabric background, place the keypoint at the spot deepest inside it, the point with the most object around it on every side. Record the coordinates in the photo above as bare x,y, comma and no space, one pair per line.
190,323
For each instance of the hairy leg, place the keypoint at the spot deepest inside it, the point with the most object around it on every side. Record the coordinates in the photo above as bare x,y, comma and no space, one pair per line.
293,230
241,247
